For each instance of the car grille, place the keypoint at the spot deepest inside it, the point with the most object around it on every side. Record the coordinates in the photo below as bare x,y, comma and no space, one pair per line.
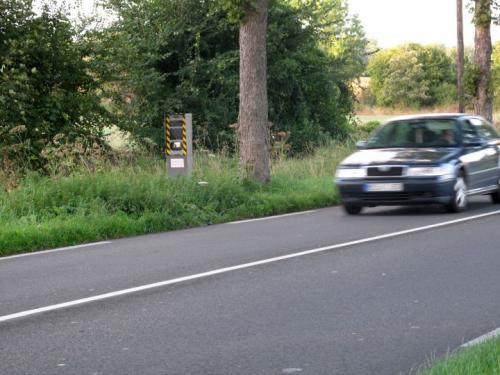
384,171
384,196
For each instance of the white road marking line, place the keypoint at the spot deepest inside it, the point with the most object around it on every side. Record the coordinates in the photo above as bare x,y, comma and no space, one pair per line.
141,288
271,217
483,338
55,250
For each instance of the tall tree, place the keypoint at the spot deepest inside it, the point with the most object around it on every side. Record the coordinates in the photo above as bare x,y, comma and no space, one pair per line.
460,57
483,103
253,124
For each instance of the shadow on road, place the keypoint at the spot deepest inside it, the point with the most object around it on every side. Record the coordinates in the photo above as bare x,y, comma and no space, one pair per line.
476,205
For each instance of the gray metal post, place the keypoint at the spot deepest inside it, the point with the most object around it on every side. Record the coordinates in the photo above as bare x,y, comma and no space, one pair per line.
179,143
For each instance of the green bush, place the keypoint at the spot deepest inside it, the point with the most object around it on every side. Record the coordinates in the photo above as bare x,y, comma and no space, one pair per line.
495,68
412,76
47,94
370,126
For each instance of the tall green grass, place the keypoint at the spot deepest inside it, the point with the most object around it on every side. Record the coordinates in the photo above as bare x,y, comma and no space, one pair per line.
116,201
483,359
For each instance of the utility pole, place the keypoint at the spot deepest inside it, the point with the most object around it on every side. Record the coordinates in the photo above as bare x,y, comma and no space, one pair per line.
460,57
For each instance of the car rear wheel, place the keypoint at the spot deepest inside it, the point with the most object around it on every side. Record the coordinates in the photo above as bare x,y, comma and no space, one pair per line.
352,209
459,199
495,197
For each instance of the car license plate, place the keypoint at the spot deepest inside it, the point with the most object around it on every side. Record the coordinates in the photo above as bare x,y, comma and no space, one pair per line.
383,187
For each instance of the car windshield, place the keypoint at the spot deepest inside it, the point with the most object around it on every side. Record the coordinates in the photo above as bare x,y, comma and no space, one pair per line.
415,133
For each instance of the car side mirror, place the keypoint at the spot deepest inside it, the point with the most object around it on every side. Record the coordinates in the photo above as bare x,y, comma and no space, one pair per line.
361,145
473,142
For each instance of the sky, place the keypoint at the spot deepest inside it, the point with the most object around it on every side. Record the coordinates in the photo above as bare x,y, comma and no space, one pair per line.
393,22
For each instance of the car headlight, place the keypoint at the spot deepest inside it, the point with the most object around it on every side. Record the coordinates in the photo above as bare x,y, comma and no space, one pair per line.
444,171
350,173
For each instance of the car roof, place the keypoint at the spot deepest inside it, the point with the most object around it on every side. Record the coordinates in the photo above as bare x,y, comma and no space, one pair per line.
431,116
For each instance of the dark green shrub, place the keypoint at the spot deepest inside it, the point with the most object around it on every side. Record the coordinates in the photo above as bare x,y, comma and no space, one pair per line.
46,91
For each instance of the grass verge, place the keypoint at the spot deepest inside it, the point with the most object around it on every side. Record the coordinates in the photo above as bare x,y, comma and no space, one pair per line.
48,212
364,119
482,359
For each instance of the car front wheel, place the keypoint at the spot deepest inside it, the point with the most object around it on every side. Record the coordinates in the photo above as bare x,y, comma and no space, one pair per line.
458,201
352,209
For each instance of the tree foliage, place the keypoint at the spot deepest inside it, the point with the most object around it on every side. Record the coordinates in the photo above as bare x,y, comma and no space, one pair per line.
490,13
412,75
236,9
47,95
183,56
496,74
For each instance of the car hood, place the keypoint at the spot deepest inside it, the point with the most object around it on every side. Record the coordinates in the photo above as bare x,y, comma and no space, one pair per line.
406,156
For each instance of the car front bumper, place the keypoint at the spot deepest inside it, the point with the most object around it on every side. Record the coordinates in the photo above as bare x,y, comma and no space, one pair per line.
415,191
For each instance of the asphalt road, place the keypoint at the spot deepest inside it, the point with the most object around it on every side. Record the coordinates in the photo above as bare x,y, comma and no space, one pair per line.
385,306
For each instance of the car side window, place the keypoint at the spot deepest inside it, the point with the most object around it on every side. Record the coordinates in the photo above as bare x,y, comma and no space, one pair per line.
469,132
484,130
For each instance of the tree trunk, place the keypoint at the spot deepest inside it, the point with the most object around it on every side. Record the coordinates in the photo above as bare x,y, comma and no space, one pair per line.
253,126
483,103
460,57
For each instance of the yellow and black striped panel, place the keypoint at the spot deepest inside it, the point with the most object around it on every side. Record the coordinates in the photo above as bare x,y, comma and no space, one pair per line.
184,135
168,148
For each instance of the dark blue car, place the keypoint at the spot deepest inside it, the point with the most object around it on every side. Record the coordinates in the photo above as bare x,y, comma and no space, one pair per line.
425,159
